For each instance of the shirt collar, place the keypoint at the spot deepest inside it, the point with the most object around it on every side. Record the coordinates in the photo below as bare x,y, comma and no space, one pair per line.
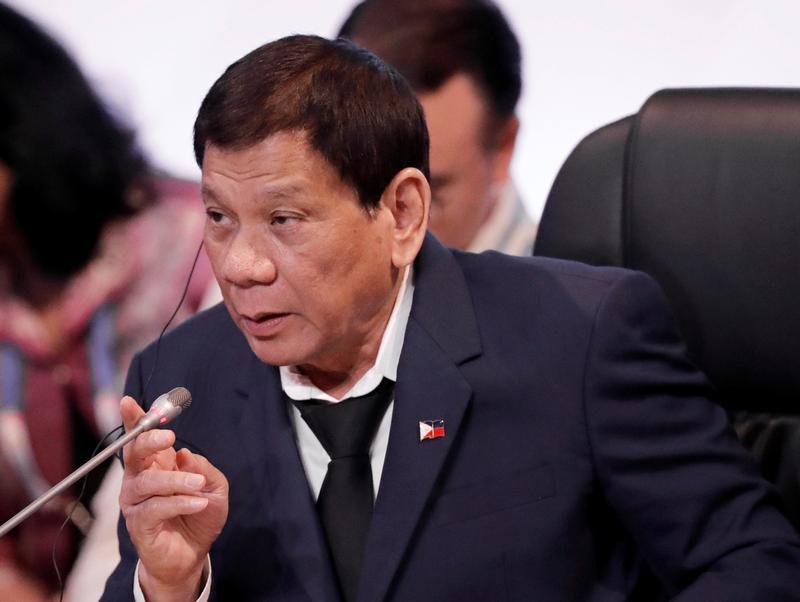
297,386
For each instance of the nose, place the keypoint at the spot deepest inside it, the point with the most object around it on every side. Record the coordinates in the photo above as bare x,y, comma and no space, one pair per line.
248,261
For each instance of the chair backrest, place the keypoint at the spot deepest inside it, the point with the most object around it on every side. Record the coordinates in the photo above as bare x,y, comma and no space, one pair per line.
700,189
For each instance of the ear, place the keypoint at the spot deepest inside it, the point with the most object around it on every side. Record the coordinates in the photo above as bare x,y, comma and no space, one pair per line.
408,199
505,140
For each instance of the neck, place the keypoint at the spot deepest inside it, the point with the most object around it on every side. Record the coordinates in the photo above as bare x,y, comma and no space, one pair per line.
345,366
334,383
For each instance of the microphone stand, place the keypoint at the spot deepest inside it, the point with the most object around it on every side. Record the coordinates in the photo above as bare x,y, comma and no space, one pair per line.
67,481
164,409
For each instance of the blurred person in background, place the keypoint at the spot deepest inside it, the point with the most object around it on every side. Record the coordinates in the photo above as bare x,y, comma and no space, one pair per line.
94,254
463,61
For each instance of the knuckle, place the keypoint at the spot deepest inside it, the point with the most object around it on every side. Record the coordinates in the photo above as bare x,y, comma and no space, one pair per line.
141,485
138,450
155,505
129,514
145,442
127,491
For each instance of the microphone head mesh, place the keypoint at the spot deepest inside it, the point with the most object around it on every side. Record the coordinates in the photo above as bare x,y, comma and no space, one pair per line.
180,397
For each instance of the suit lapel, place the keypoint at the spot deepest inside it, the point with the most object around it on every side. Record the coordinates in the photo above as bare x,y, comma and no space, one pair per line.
440,336
269,442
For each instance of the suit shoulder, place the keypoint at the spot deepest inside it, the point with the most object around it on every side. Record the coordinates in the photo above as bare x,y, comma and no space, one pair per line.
543,274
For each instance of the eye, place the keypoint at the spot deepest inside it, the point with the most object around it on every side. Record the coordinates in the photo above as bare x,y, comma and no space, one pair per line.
282,219
215,216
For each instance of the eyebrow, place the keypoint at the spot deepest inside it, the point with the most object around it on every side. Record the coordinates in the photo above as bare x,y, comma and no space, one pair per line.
281,190
207,194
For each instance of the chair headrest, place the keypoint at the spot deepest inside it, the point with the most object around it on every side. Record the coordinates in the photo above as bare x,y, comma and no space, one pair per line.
701,189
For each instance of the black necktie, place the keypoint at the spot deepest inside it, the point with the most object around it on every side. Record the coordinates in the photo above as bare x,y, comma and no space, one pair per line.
346,430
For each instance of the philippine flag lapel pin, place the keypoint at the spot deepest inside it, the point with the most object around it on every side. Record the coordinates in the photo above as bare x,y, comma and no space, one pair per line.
431,429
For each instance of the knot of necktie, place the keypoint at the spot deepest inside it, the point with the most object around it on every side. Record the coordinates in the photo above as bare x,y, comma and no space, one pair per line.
348,427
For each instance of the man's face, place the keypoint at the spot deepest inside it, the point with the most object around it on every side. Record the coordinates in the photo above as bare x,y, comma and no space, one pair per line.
466,176
305,272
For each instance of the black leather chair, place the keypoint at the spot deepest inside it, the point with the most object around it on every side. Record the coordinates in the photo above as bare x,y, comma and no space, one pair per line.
701,189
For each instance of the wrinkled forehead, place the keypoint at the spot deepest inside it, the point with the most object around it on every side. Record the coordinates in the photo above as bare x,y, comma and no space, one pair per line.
281,165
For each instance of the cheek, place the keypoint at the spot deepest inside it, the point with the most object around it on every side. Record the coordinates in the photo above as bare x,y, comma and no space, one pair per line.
460,206
342,279
213,251
313,279
476,188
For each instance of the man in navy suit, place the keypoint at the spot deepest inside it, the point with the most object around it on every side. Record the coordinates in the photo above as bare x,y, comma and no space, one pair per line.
546,436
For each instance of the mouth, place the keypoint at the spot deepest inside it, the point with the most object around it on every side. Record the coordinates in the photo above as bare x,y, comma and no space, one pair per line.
262,323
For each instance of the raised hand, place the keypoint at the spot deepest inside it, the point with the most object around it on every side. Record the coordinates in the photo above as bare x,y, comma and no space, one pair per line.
175,505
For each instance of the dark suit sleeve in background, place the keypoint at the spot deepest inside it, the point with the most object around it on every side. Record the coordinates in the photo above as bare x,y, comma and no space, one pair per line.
669,463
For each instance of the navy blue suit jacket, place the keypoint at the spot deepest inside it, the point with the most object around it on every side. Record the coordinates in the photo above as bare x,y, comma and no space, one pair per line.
579,440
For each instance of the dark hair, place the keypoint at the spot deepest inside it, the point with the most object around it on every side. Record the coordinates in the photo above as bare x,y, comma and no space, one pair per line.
359,113
72,166
429,41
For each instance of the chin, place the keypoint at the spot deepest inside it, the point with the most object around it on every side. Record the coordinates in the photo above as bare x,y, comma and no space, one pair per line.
276,354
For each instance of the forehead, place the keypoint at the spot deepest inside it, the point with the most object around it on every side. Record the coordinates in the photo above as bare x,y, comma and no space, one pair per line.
285,159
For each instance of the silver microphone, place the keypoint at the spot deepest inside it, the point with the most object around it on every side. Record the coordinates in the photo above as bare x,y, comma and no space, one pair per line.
164,409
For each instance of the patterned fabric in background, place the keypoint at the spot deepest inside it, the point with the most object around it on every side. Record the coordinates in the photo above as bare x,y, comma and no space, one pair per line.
56,402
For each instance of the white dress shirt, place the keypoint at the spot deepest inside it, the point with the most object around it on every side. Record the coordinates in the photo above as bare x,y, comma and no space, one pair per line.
296,386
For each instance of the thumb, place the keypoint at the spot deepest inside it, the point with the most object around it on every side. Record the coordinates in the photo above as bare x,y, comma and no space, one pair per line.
131,412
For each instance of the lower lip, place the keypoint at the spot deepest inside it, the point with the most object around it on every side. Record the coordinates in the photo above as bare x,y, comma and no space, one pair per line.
263,328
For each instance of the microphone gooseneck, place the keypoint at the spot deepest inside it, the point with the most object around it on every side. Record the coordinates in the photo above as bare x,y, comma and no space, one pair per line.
164,409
